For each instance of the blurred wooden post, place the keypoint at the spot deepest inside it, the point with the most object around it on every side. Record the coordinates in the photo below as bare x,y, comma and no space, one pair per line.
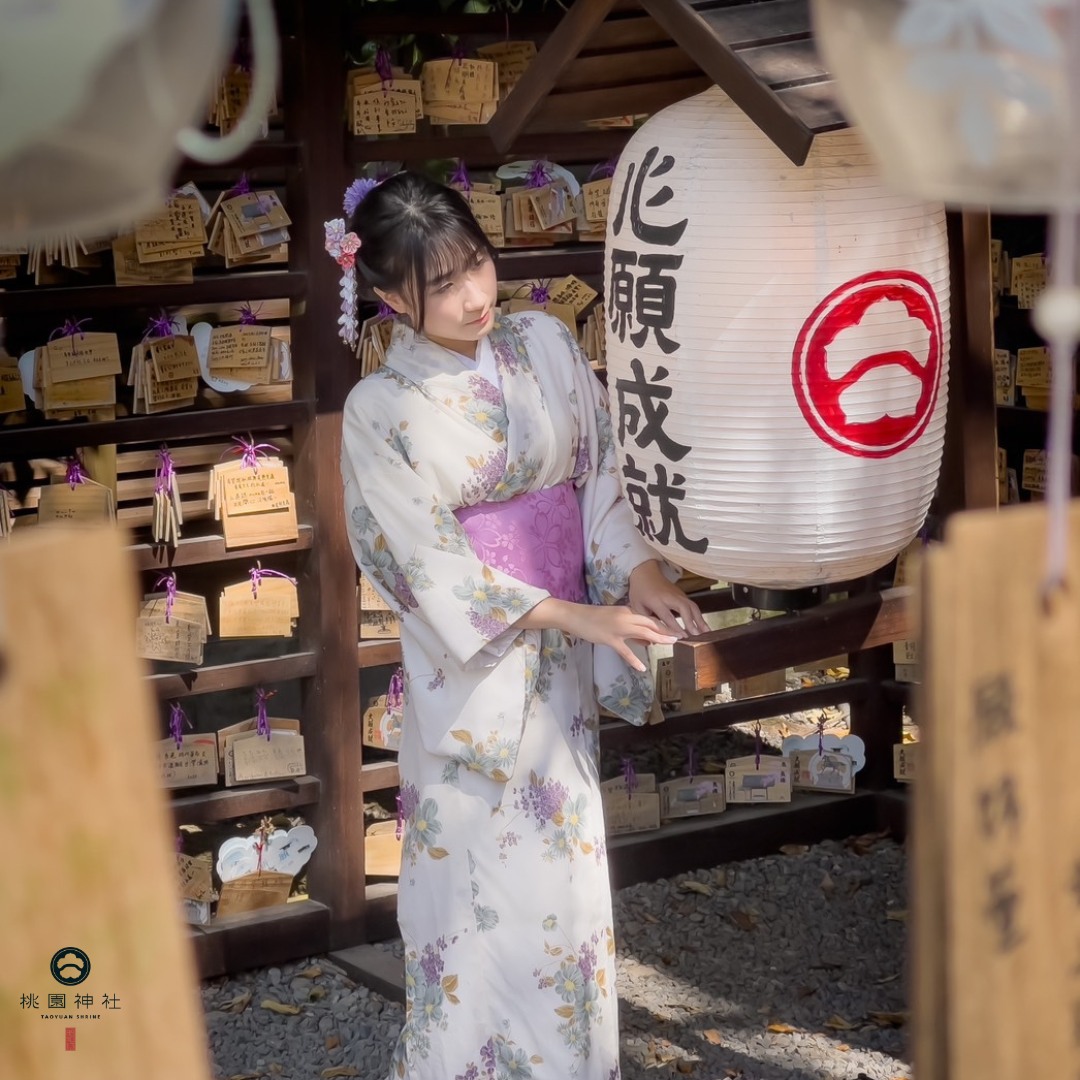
90,862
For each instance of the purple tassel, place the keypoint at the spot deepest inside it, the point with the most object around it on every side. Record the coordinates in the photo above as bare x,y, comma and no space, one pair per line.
250,450
539,175
384,65
395,692
604,171
241,187
248,316
164,325
257,573
540,293
356,193
177,719
385,311
164,474
262,720
757,745
460,176
70,328
75,474
169,581
630,776
400,817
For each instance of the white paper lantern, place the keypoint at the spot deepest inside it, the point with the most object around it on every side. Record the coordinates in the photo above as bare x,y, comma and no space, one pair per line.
777,350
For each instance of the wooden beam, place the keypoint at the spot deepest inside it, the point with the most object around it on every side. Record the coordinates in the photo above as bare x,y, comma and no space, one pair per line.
617,69
704,45
845,626
647,97
564,44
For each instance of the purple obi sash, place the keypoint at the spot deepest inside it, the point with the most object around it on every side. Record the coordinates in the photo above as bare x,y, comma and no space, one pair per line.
535,537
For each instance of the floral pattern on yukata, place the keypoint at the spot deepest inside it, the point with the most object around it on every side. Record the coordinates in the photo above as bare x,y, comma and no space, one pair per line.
500,1058
429,993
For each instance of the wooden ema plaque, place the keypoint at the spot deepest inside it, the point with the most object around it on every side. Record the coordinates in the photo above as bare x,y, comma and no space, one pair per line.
96,870
997,844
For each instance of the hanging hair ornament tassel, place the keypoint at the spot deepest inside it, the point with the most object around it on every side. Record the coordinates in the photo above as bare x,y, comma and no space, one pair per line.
74,474
178,719
342,246
257,573
630,776
250,451
161,326
169,583
262,719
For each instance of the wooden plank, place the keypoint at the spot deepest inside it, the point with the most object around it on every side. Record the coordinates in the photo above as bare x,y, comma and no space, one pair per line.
331,700
615,733
192,550
378,776
475,146
877,717
268,153
815,105
619,35
224,805
743,25
209,680
648,97
209,288
261,938
187,456
381,910
377,653
618,69
756,648
786,63
377,969
53,440
583,260
703,44
80,791
566,41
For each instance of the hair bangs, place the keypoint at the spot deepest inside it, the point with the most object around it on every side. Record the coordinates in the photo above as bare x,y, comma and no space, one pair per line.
449,254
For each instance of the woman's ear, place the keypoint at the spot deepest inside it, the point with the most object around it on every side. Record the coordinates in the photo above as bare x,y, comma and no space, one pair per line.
392,299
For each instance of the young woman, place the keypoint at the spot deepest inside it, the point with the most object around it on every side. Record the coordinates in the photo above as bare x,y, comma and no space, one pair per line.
483,501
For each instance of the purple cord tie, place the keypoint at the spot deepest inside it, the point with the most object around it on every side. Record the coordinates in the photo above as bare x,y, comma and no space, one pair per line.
757,746
604,171
257,573
164,325
384,65
630,776
177,719
539,293
250,450
70,328
395,692
165,470
241,187
539,175
262,721
248,317
169,581
461,176
691,762
400,817
386,311
75,473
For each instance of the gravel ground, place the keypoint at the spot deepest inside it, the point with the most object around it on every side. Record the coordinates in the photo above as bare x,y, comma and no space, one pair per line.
788,967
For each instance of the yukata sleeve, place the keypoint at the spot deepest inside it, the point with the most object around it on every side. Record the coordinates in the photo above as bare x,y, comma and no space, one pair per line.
414,551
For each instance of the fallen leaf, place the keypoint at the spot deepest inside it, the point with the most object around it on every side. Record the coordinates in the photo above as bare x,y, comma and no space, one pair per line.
339,1070
316,993
828,886
280,1007
794,849
238,1004
888,1019
781,1029
333,1042
838,1023
685,1065
246,1076
897,915
695,887
807,683
713,1036
744,920
864,844
650,918
843,1048
309,973
887,979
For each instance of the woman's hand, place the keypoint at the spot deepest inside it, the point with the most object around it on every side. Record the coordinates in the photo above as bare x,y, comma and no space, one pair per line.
652,595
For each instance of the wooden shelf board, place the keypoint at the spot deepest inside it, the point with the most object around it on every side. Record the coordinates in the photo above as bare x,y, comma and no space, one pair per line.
375,653
260,938
583,260
228,803
378,776
193,550
264,154
48,440
211,288
209,680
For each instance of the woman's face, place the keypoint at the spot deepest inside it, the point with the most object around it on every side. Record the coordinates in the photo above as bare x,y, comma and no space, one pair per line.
459,307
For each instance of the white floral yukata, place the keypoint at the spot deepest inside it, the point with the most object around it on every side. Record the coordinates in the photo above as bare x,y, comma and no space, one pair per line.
504,902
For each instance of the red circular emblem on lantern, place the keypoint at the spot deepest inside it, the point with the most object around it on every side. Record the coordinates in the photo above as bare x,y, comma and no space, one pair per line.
818,392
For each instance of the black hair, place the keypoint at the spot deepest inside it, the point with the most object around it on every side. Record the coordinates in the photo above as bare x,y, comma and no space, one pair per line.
414,232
